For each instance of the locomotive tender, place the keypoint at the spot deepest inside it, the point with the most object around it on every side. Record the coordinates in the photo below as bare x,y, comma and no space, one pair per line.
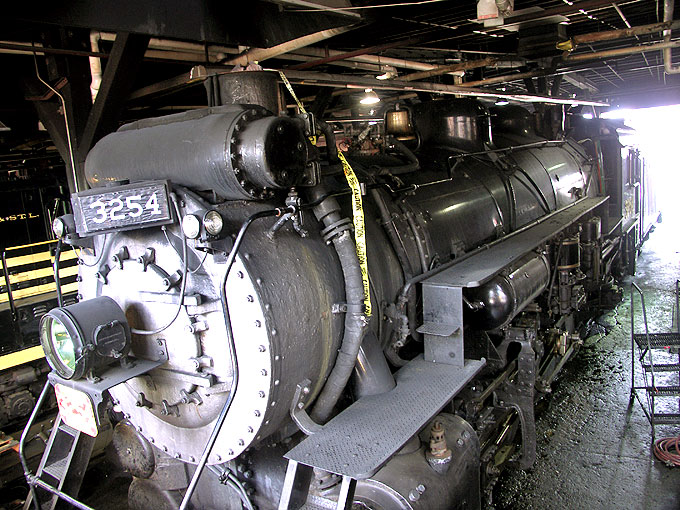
218,246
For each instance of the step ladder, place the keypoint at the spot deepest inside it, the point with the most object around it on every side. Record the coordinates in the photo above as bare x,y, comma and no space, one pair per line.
660,376
62,466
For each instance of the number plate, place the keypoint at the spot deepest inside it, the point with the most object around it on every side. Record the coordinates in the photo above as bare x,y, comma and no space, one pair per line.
122,207
76,409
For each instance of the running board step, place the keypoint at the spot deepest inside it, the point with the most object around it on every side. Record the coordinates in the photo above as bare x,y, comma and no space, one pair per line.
363,437
62,466
666,419
657,340
672,367
663,391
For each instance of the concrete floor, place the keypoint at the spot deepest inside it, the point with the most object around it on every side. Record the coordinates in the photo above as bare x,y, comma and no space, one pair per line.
594,450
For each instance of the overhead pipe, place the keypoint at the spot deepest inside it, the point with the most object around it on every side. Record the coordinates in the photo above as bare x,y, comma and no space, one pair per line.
359,82
95,65
619,52
612,35
165,49
461,66
668,6
260,54
360,51
370,59
573,58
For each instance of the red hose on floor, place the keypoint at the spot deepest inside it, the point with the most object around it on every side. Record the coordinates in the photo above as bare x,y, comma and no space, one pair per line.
667,450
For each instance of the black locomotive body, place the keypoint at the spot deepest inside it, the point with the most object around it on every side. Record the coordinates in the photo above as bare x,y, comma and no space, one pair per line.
486,247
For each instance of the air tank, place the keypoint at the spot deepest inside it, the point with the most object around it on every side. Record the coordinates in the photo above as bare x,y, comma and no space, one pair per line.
495,303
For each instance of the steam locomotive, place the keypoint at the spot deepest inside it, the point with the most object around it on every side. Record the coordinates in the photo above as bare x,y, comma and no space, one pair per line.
267,348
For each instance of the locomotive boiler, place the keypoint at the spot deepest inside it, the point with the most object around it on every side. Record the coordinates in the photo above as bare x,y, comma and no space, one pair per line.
221,253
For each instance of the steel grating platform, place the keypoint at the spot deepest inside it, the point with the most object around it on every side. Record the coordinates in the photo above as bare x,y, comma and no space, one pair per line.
657,340
362,438
666,418
663,367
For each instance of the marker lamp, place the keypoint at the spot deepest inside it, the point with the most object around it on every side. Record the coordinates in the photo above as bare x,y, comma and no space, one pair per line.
213,222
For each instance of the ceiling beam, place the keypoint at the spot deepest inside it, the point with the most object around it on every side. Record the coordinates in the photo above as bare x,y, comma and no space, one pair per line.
565,9
580,82
120,72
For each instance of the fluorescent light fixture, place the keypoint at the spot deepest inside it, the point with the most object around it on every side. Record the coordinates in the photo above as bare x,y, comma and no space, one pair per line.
370,98
502,102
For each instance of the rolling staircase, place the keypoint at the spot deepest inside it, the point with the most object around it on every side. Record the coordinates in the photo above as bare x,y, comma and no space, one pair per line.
660,372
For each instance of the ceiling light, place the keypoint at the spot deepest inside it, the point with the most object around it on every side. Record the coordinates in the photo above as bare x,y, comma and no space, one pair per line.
587,115
502,102
370,98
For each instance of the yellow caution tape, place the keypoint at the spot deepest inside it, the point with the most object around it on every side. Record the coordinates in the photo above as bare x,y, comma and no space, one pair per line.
357,207
359,228
567,45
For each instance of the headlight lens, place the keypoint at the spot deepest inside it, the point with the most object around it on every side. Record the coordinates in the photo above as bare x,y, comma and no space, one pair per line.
191,226
59,346
213,222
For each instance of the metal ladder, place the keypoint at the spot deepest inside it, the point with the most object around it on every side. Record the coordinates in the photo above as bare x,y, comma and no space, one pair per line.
644,346
62,466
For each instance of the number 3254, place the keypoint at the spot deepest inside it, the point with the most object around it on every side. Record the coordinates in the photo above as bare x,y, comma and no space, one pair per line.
118,210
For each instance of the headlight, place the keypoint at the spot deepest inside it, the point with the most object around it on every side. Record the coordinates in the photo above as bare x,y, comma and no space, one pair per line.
191,226
213,223
81,337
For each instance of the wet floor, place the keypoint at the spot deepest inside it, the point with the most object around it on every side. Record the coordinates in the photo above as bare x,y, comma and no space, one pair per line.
594,450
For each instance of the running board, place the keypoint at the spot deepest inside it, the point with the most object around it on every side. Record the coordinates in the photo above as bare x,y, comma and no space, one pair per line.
362,438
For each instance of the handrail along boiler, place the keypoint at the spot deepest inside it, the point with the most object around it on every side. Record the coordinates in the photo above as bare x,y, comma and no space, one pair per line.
485,243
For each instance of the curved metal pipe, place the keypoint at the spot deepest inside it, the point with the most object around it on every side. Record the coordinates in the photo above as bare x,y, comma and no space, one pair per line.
668,6
328,212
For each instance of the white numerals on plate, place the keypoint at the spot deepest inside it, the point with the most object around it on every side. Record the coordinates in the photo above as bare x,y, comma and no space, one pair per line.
117,210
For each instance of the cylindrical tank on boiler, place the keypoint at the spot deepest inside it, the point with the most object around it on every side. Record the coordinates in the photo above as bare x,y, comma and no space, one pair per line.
495,303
